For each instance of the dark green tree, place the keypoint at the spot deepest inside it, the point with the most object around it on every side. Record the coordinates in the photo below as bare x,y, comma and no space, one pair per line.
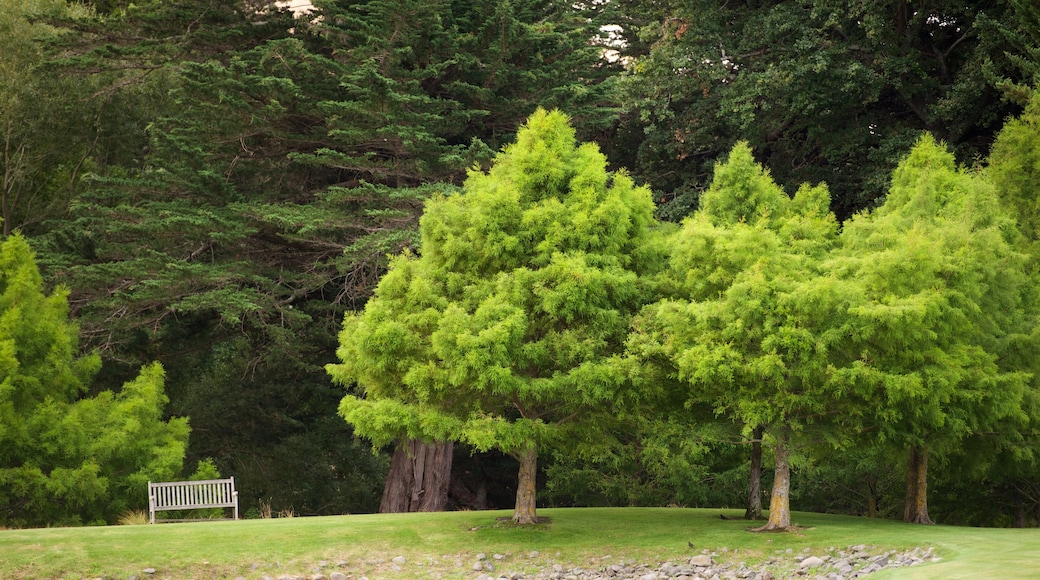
53,128
282,162
823,91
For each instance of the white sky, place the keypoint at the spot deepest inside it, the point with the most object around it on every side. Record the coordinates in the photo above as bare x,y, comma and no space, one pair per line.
297,6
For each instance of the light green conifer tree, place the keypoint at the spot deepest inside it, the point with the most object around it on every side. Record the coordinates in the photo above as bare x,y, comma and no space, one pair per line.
505,331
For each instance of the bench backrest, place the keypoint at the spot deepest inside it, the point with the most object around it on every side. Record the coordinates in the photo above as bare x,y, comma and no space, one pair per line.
187,495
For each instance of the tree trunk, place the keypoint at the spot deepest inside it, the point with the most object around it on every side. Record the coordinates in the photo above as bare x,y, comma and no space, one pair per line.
525,489
911,486
1020,509
915,510
780,501
754,503
418,478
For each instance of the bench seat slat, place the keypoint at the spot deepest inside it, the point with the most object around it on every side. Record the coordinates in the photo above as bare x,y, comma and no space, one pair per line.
188,495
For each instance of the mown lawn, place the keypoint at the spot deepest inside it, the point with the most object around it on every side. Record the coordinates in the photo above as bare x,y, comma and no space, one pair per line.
447,544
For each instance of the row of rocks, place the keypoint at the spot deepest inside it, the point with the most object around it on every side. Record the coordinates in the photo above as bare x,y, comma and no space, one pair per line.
854,562
834,564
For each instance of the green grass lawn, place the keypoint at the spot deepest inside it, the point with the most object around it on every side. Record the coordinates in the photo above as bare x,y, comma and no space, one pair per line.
446,544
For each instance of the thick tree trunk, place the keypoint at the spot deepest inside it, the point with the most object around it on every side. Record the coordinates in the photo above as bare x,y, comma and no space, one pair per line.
525,489
780,501
418,478
915,510
754,503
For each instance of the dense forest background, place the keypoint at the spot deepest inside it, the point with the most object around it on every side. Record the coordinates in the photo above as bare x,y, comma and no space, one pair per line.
217,184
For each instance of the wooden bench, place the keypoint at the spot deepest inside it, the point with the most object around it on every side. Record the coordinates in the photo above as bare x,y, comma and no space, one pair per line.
191,495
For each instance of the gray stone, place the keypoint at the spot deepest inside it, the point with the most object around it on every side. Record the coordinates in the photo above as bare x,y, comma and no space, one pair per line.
812,562
702,560
149,571
399,560
337,576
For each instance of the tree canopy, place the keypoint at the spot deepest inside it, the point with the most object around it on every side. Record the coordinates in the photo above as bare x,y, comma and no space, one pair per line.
823,91
214,187
939,288
750,332
503,331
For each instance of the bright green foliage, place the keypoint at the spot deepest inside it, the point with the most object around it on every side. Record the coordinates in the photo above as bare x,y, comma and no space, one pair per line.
1014,168
1006,466
938,317
938,287
504,331
65,458
748,329
824,91
911,326
751,332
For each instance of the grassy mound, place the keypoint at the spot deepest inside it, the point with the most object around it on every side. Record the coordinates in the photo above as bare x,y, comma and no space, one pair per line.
447,544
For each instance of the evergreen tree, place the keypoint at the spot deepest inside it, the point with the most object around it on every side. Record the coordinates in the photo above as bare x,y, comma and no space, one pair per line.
823,91
282,161
752,331
1009,464
66,458
504,332
53,128
936,288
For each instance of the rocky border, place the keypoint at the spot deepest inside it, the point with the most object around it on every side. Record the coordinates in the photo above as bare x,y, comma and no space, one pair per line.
834,564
